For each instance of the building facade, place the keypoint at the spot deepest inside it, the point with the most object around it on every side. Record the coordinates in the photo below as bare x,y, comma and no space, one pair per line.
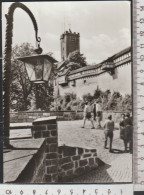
113,73
69,42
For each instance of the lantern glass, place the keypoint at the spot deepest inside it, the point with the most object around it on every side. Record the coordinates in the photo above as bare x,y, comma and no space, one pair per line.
47,70
38,67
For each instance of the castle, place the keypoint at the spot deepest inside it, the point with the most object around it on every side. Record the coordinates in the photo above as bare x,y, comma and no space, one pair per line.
113,73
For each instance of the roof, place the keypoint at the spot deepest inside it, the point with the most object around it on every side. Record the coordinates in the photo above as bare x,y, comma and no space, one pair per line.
32,57
128,49
64,72
60,64
88,67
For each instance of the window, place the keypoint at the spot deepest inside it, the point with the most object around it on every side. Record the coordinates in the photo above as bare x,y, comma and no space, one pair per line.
73,38
84,81
74,83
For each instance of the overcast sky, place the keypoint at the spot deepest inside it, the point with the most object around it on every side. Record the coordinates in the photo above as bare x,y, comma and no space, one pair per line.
104,26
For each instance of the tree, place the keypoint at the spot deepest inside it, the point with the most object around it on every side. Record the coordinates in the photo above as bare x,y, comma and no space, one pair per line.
20,87
75,60
88,97
73,66
22,91
43,95
77,57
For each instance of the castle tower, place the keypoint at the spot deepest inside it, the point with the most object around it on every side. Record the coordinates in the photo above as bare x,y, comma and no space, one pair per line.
69,42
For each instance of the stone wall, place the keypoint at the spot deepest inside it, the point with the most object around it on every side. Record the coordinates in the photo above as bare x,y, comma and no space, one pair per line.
47,128
62,163
22,117
25,116
120,82
75,161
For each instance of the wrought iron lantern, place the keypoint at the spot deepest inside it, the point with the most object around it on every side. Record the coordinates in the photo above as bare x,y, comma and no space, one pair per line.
38,67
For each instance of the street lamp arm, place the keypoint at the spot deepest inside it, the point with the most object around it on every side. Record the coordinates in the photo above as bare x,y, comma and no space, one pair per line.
7,64
11,10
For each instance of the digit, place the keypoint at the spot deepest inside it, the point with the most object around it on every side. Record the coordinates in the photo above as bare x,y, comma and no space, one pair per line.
21,192
141,33
141,121
141,8
8,192
142,57
96,191
141,45
142,20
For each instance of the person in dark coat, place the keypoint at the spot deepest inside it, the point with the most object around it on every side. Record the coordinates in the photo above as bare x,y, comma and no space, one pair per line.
94,110
109,128
121,126
127,132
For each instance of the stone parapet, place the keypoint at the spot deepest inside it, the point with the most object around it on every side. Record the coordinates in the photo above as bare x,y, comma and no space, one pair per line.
22,117
74,162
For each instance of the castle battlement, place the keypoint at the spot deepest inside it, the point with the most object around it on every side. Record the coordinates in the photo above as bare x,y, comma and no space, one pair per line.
113,73
69,33
121,58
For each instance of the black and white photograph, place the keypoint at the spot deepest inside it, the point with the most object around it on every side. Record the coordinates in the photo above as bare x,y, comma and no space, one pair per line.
67,92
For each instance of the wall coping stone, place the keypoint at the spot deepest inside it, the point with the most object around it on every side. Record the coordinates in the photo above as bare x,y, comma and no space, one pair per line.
44,120
19,159
20,125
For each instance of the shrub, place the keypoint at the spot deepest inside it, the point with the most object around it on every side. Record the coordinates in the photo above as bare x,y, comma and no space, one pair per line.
88,97
109,101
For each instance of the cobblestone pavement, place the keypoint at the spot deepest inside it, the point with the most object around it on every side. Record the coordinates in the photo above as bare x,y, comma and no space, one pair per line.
117,165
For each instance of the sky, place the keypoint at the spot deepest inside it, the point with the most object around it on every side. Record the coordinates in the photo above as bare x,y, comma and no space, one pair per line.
104,26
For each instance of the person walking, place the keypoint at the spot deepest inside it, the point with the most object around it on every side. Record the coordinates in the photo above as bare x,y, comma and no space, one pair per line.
121,126
109,128
88,115
128,135
99,113
94,110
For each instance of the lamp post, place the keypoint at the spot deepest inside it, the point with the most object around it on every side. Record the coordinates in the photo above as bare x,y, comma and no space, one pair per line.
7,64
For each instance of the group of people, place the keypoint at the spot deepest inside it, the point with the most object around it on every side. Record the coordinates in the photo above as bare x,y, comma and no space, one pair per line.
94,112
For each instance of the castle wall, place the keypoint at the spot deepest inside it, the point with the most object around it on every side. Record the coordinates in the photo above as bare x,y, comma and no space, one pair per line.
121,82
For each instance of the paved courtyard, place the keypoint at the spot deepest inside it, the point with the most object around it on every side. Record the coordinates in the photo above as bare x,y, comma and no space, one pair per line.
117,165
